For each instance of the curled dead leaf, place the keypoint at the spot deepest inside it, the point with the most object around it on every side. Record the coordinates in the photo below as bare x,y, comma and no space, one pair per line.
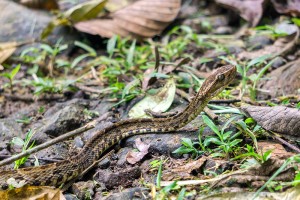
133,157
279,119
281,46
32,193
142,19
278,151
159,102
38,4
291,7
282,81
249,10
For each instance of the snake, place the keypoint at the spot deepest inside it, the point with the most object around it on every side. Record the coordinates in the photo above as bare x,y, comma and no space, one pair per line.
58,173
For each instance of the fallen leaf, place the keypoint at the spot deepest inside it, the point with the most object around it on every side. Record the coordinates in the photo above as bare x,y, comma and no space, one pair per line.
114,5
249,10
133,157
38,4
291,7
142,19
159,102
86,10
279,119
278,151
290,194
258,173
282,81
6,50
281,46
190,166
32,193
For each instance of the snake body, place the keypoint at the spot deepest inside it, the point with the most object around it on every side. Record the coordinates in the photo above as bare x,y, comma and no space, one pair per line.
61,172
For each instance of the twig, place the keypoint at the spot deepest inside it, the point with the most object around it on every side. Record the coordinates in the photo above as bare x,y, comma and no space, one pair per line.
282,141
199,182
157,58
209,112
32,99
93,90
227,101
49,143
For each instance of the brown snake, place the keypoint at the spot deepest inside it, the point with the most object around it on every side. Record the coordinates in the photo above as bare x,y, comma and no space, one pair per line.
61,172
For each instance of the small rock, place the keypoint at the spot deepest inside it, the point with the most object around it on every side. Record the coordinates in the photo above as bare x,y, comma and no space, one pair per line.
83,190
166,143
104,164
291,57
279,61
60,119
9,128
129,194
258,42
70,197
222,30
121,178
78,142
122,154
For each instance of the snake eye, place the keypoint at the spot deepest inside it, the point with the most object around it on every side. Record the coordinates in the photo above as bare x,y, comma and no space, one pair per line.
221,77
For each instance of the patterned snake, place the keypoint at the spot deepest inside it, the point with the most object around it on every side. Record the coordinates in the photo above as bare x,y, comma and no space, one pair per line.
61,172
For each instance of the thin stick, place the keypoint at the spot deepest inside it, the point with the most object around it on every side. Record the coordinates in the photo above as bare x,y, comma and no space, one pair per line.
209,112
49,143
282,141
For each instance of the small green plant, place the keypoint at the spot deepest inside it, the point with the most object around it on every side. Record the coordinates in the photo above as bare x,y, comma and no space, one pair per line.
272,31
25,144
261,158
243,69
166,190
298,105
48,85
155,164
24,120
90,53
225,141
189,147
90,113
289,161
11,75
44,54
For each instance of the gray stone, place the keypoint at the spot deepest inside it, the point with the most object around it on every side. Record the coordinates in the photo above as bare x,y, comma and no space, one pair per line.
123,177
130,194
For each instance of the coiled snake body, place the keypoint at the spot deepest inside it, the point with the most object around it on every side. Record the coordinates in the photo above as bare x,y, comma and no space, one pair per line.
61,172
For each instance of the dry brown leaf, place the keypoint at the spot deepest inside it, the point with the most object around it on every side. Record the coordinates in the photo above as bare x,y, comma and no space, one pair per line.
32,193
278,151
250,10
279,119
291,7
133,157
282,81
142,19
189,167
6,50
184,170
259,174
38,4
280,47
114,5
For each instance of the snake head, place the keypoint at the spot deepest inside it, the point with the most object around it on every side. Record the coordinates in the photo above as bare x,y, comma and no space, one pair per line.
218,80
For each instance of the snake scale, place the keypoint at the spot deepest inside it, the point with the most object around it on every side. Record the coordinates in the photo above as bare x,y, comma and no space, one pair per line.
61,172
